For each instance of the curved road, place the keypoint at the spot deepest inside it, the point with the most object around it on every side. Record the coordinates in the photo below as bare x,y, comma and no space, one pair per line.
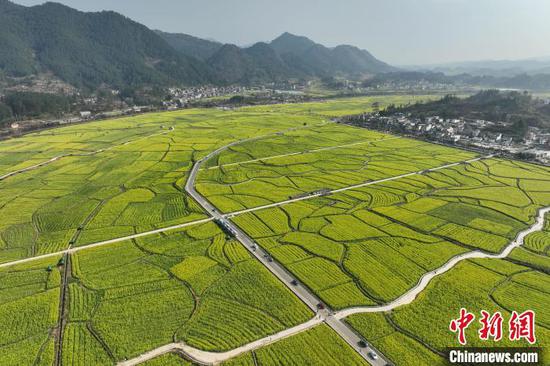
334,320
410,295
209,358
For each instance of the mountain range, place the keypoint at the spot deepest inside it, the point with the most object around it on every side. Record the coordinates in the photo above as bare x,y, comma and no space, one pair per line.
495,68
89,50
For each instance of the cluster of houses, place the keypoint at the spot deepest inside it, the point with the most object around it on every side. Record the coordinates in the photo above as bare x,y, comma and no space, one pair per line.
181,97
474,133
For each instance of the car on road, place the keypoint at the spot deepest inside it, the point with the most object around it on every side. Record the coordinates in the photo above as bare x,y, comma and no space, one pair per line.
362,344
294,283
373,355
320,306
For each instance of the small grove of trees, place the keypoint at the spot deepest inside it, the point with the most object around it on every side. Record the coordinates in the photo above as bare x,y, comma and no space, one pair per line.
22,105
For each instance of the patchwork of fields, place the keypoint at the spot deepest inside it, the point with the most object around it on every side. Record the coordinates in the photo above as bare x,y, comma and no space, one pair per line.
370,157
191,285
132,187
369,245
418,333
361,245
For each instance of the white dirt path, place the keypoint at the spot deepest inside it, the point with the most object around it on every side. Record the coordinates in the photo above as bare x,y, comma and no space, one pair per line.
56,158
213,358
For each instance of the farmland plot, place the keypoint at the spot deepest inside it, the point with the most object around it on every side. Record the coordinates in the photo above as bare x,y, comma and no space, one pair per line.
281,178
189,284
370,245
29,305
317,346
422,327
132,183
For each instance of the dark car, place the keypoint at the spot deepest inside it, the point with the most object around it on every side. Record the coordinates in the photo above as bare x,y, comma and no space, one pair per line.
320,306
294,283
362,344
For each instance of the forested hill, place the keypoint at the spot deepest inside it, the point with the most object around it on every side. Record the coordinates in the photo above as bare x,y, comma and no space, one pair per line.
87,50
490,105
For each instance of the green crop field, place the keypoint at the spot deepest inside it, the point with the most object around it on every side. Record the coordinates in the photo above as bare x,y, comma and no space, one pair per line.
392,220
420,330
126,188
370,245
253,183
191,285
318,346
29,309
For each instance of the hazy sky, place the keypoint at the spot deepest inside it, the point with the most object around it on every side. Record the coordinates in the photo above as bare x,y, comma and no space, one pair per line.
397,31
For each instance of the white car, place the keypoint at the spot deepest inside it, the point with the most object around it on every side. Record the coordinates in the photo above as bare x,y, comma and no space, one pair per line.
373,355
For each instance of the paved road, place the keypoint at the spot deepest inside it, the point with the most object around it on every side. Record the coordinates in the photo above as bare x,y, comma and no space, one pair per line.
335,319
56,158
276,204
274,267
204,357
102,243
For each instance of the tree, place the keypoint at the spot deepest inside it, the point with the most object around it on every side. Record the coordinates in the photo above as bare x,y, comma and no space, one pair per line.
5,113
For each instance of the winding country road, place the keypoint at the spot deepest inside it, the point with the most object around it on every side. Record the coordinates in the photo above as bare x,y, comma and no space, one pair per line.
306,295
334,320
210,358
411,295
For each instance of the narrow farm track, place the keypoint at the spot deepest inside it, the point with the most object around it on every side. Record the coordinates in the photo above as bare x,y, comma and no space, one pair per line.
56,158
62,317
102,243
301,291
227,215
210,358
366,184
411,295
328,148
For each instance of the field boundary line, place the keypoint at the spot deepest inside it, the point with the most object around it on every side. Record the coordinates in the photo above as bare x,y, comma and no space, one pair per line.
212,358
327,148
105,242
366,184
90,153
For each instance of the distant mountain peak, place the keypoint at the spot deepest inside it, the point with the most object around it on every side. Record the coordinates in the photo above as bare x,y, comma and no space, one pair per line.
290,43
107,48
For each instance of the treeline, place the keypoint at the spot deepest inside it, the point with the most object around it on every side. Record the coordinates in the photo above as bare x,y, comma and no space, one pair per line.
521,110
522,81
26,105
